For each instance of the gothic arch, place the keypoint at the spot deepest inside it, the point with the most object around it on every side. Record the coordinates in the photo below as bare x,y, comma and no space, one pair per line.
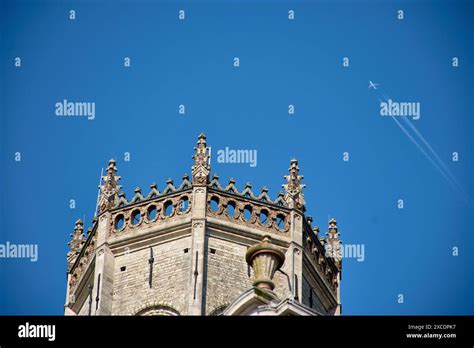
218,310
157,310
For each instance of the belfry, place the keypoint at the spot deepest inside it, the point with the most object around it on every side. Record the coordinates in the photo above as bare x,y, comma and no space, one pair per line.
203,248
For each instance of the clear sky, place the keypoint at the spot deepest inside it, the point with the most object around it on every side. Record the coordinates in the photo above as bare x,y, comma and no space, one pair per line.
408,251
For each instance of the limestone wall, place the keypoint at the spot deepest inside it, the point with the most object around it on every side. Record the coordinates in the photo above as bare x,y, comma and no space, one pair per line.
171,271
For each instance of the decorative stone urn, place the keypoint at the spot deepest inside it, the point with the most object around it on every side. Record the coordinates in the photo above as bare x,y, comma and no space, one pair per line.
265,259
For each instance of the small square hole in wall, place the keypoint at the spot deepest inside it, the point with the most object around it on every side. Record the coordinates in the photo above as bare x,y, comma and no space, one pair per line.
123,268
186,250
213,251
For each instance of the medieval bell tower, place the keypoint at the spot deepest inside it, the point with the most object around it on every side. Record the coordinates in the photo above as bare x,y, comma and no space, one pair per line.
202,248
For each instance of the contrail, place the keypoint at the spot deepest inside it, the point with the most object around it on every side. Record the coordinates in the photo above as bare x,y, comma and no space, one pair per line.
440,161
448,172
423,151
443,170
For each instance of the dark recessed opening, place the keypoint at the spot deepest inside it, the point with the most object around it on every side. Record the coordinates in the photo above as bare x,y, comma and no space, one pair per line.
136,216
168,208
123,268
151,212
247,212
280,221
186,250
264,216
184,204
119,222
213,251
214,204
231,209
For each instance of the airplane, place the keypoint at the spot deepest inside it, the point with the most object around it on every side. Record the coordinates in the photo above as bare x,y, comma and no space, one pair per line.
373,85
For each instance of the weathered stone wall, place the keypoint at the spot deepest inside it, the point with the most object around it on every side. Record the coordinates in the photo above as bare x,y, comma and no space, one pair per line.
82,300
281,286
85,307
315,303
227,273
171,272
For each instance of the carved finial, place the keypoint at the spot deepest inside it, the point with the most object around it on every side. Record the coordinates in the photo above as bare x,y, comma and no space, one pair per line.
215,182
264,195
332,232
109,188
293,187
110,180
265,259
77,237
201,168
316,230
170,188
231,186
309,219
333,247
185,184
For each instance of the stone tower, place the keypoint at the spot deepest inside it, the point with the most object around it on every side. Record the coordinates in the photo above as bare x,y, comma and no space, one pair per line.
202,248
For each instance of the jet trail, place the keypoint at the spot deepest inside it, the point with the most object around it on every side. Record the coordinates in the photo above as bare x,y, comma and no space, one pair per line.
436,162
440,161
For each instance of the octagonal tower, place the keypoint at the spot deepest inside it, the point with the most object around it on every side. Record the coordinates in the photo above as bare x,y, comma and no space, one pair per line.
182,250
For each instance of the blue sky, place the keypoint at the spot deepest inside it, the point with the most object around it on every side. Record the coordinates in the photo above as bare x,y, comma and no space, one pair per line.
407,251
